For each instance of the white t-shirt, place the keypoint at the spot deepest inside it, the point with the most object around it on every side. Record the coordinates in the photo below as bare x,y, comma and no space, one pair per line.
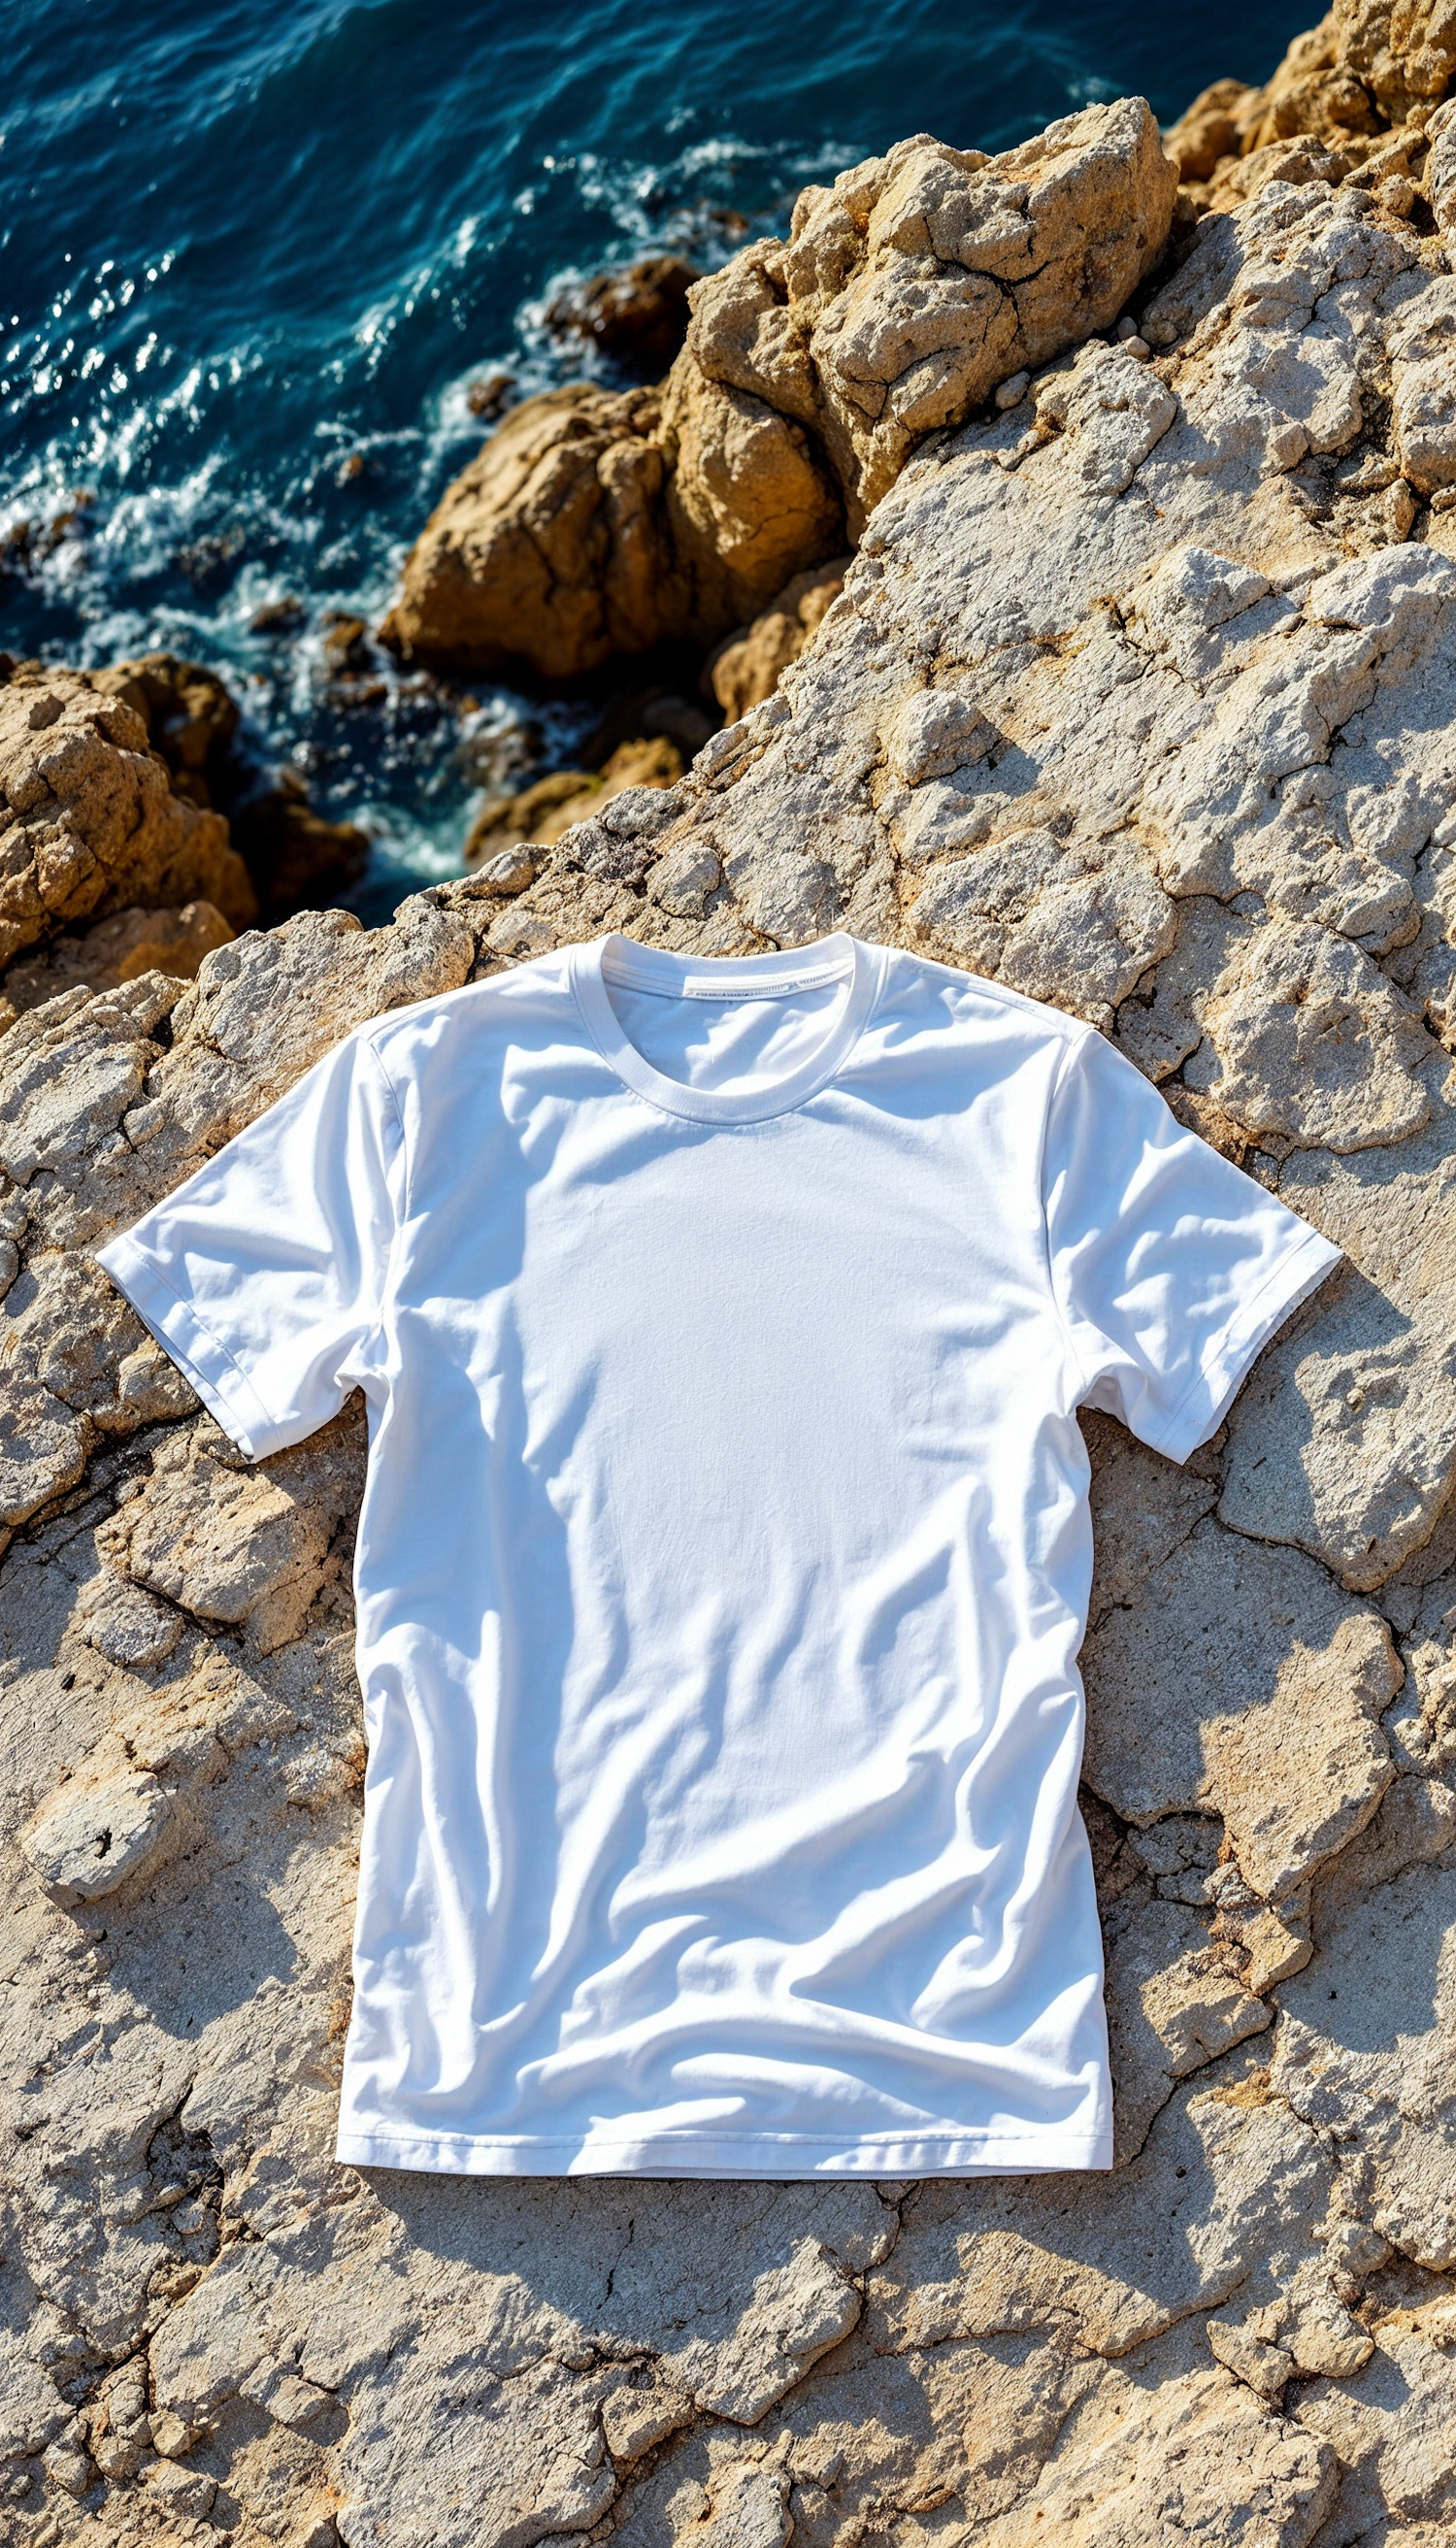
725,1550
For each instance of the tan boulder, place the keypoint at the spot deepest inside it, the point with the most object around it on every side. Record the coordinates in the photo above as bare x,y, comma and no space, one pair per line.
117,951
745,666
550,547
298,859
188,714
89,821
748,500
917,282
1403,54
94,1837
1357,95
1212,129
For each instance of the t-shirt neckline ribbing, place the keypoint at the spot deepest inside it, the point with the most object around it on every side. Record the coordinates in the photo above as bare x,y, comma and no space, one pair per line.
840,957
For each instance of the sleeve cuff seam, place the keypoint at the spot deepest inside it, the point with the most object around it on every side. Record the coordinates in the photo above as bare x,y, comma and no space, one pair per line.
1227,1360
219,1381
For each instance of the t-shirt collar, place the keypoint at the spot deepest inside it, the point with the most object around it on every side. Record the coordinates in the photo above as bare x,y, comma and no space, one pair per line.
841,958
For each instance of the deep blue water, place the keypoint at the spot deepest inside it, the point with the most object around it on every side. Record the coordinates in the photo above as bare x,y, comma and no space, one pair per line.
254,251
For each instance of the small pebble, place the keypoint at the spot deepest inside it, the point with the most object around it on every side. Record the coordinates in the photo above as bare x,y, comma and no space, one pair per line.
1012,392
1126,327
1139,348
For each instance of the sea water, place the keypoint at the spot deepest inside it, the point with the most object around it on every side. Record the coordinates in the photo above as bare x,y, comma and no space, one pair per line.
254,252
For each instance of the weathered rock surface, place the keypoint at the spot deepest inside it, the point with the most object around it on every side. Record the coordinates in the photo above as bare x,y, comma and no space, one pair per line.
296,858
1360,99
113,952
190,716
508,830
89,823
1140,697
745,669
592,524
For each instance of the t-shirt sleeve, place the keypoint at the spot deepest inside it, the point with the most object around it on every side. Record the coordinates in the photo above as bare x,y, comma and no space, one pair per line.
264,1275
1170,1267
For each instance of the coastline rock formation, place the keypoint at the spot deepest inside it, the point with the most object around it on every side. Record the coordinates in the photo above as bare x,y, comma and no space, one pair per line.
592,524
746,668
115,950
512,829
1139,695
296,858
89,823
1363,98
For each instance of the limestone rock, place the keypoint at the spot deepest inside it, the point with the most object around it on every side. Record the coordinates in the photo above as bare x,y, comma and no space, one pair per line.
1314,1044
1356,98
746,668
1363,2048
296,857
188,714
916,282
1350,1451
1391,2427
1212,129
717,2497
88,821
227,1545
116,950
550,546
1173,2004
1203,1698
91,1839
507,826
1167,2466
746,502
1229,2194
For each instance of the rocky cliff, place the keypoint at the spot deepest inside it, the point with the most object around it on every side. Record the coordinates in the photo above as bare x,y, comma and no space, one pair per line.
594,525
1139,693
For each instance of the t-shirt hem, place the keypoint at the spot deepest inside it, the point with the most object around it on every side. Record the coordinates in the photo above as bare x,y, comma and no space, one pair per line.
222,1386
777,2156
1228,1358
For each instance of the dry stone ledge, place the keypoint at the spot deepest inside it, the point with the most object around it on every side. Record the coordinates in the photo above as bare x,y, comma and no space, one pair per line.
1139,697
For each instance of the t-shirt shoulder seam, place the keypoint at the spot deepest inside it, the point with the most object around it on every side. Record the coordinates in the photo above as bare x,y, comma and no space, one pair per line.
376,1032
1002,993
